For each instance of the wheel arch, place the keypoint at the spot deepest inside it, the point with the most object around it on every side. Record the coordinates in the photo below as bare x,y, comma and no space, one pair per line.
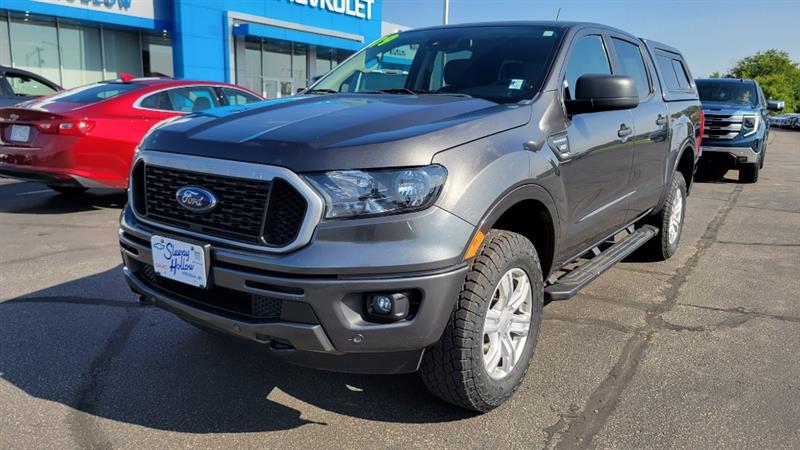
685,164
530,211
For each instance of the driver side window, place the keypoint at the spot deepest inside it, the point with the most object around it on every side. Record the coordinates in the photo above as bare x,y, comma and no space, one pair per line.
589,56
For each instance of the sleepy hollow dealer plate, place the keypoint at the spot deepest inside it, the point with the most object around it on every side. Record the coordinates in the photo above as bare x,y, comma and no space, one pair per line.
186,262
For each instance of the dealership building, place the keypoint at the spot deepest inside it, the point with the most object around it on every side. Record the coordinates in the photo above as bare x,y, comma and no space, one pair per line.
270,46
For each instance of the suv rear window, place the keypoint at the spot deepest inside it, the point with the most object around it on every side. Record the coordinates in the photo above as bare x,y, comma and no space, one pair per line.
96,92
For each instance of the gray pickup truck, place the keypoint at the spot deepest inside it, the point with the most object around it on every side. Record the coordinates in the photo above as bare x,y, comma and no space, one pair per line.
415,208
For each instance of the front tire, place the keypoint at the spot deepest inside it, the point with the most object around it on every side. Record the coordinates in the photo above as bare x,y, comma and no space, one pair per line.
488,343
749,173
669,222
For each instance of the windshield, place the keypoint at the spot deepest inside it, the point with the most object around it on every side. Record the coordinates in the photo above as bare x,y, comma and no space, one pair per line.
728,92
502,64
96,92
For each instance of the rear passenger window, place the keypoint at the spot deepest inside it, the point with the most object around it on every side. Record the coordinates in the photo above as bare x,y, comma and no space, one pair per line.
680,73
237,97
158,100
192,99
588,57
673,71
632,65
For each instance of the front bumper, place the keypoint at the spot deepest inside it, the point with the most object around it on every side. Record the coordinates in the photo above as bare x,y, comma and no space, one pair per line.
322,322
729,157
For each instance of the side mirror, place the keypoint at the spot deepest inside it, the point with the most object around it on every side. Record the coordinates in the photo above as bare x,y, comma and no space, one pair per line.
595,93
776,105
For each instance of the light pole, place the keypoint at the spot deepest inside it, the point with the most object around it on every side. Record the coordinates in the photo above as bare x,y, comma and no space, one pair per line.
446,11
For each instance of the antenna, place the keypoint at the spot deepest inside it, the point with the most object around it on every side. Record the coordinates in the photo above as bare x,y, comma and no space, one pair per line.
558,13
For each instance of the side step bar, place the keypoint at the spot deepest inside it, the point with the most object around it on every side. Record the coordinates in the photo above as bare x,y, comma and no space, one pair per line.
569,285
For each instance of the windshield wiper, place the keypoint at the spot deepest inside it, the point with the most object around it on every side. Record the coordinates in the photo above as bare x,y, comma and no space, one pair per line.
392,91
320,91
408,91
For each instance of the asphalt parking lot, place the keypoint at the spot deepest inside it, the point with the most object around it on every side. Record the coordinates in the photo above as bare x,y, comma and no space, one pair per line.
701,351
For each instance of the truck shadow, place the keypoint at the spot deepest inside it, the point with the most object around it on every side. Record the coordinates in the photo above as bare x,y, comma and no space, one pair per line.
35,198
101,353
730,176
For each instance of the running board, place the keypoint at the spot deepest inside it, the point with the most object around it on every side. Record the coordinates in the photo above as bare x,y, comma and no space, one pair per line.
569,285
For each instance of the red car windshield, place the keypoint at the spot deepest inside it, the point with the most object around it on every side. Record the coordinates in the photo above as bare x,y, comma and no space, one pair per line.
95,92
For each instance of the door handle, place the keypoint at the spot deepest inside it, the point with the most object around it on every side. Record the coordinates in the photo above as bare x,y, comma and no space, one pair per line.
624,131
661,121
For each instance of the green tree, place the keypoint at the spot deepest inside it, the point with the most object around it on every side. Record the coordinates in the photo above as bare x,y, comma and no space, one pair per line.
715,75
777,74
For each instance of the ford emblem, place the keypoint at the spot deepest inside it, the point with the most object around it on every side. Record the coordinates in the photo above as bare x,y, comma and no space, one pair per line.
196,199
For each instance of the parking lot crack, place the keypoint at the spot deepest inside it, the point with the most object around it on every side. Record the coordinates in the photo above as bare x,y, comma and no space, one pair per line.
603,401
680,277
758,244
81,418
745,311
582,428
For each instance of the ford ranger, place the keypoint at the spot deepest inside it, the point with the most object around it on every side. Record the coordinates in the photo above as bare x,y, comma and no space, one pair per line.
415,207
736,127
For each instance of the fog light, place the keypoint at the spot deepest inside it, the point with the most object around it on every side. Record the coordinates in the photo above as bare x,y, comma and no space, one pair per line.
382,304
742,159
388,307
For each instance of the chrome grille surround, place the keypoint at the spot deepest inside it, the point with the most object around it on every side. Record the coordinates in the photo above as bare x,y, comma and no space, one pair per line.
237,169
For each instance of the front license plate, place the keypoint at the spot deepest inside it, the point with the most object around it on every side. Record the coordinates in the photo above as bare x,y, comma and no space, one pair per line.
180,261
20,133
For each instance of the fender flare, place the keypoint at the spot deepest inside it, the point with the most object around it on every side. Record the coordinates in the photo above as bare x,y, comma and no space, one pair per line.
686,145
515,195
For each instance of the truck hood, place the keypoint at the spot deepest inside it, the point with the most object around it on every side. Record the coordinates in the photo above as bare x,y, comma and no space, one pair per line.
727,108
341,131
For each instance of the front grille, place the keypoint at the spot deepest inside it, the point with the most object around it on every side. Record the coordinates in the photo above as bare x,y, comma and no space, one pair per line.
722,126
237,303
251,211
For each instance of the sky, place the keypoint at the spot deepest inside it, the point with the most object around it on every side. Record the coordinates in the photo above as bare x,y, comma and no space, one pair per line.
712,35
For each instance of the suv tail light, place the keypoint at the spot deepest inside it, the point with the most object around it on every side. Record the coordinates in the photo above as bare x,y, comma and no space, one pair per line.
700,133
79,127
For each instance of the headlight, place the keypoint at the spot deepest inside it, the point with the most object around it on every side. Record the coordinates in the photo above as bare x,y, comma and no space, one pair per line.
750,123
350,193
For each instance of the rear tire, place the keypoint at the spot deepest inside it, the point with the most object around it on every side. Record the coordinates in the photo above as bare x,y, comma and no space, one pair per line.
68,190
748,173
488,343
669,222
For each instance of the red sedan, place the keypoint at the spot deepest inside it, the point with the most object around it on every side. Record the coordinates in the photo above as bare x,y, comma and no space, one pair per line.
85,137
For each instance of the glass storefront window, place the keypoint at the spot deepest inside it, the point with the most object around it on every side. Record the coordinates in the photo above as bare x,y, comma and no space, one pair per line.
252,65
81,55
35,45
299,64
157,56
341,56
278,68
277,59
325,56
72,53
122,53
5,44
